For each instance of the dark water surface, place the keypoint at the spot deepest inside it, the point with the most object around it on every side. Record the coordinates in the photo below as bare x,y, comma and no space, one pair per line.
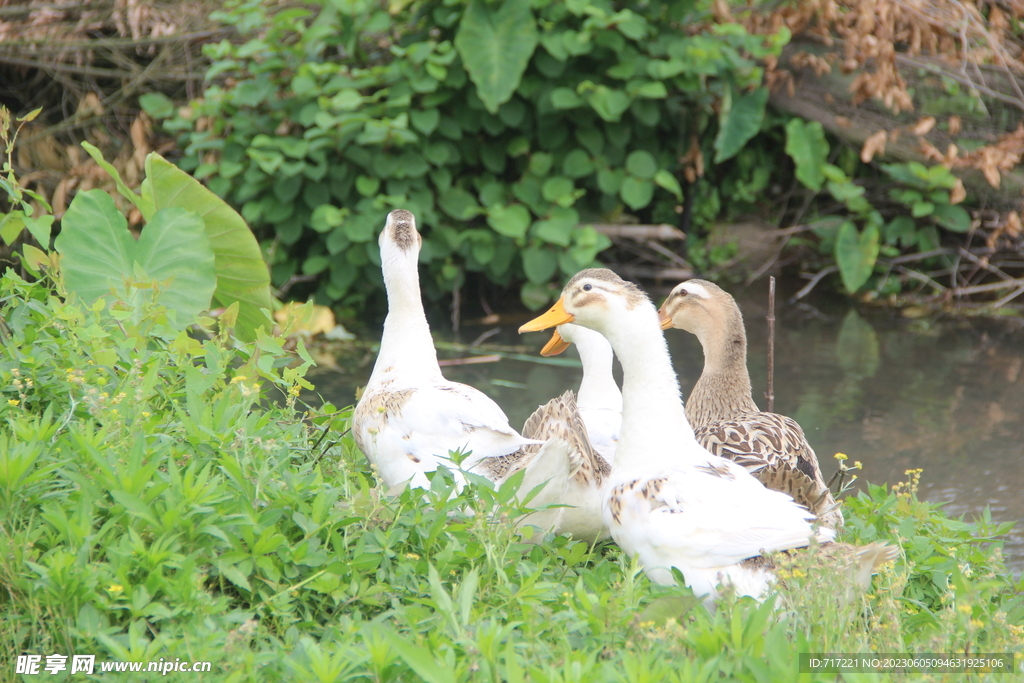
895,394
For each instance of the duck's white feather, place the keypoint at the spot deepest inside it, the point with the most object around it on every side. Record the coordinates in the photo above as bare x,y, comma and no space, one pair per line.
410,427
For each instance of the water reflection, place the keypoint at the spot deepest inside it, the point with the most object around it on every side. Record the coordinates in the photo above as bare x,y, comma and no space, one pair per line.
895,394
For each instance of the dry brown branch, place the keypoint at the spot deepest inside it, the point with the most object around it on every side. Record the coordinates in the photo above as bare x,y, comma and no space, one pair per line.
662,231
815,279
988,287
471,360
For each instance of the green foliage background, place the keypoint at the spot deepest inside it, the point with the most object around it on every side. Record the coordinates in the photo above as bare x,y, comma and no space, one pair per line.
505,127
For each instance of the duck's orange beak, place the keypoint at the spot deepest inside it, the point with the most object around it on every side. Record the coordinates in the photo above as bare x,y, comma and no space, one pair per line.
555,345
556,315
666,321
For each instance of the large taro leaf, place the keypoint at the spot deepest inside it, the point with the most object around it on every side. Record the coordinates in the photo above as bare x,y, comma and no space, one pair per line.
172,259
95,246
495,43
242,275
856,253
740,119
807,146
174,246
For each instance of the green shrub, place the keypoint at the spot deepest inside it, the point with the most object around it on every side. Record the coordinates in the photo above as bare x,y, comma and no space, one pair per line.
504,127
924,196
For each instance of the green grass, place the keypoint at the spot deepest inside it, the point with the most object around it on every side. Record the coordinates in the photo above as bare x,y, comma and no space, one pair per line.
163,497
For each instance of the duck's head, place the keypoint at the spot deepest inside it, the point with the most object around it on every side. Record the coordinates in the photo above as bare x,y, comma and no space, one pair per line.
697,306
596,298
399,239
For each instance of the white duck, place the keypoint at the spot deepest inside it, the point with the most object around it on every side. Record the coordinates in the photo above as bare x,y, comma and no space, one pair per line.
670,502
599,399
409,416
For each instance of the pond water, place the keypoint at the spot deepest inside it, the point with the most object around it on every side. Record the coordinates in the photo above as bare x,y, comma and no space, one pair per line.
945,396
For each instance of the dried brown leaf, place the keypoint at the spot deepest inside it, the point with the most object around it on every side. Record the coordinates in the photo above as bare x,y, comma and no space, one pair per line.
930,151
954,125
1013,224
873,145
958,193
923,126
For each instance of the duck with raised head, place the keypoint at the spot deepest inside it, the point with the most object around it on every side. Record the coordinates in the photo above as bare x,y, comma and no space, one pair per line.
721,406
669,501
410,417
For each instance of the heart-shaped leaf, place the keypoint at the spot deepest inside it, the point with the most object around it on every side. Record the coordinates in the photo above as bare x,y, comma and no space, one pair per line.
242,274
175,249
496,43
856,254
99,257
96,248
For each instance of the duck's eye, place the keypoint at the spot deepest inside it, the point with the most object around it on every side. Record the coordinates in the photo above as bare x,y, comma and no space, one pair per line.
587,288
682,292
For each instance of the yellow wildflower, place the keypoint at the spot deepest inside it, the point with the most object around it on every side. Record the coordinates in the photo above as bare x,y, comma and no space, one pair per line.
13,402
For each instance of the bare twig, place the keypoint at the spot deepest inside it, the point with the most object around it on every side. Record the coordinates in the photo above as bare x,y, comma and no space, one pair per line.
794,230
921,277
1009,297
919,256
769,394
663,231
292,281
667,253
472,360
116,42
983,264
806,289
990,287
456,308
98,71
484,337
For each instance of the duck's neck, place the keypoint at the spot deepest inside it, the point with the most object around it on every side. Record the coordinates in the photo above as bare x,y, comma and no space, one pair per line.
406,345
723,390
655,430
598,390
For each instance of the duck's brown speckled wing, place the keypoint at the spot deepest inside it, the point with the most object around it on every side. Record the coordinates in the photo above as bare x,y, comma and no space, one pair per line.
559,418
774,449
